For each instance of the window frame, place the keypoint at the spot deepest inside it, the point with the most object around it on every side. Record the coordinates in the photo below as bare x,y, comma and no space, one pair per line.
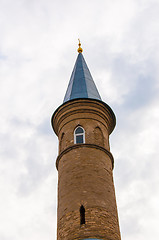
79,134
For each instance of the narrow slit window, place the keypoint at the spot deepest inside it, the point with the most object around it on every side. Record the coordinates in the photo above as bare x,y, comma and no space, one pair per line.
82,215
79,135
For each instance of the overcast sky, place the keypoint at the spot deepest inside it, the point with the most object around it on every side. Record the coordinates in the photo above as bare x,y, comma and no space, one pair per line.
38,49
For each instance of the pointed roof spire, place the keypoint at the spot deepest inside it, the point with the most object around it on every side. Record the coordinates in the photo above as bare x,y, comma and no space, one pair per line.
81,83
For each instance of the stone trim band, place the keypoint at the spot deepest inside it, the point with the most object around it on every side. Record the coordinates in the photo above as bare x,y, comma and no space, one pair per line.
85,145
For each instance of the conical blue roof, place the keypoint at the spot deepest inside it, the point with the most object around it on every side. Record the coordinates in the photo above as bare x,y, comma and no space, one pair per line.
81,83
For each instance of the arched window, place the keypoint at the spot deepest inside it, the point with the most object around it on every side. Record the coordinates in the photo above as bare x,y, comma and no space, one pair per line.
79,135
82,215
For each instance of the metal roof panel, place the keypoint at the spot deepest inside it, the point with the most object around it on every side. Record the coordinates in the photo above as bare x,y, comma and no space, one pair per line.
81,84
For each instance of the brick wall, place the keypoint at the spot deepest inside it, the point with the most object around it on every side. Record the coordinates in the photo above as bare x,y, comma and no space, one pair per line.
85,172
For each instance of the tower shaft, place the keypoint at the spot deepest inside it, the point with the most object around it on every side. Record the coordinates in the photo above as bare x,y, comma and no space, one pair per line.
86,197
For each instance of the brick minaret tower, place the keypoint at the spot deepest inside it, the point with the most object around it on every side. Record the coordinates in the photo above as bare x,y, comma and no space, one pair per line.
86,198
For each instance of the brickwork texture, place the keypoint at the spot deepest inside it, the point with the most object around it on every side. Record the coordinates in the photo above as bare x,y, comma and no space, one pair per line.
85,172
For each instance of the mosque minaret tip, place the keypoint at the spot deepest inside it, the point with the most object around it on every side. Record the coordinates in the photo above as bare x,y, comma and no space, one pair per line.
86,196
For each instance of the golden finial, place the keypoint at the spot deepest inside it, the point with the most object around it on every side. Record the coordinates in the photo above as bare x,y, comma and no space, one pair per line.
80,50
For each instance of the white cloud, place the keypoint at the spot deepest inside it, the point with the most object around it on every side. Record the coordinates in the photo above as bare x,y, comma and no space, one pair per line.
37,53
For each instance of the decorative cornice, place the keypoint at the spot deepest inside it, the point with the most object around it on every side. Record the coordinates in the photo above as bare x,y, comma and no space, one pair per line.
85,145
83,105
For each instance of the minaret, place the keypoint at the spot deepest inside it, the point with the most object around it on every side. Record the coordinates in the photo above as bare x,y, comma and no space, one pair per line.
86,197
